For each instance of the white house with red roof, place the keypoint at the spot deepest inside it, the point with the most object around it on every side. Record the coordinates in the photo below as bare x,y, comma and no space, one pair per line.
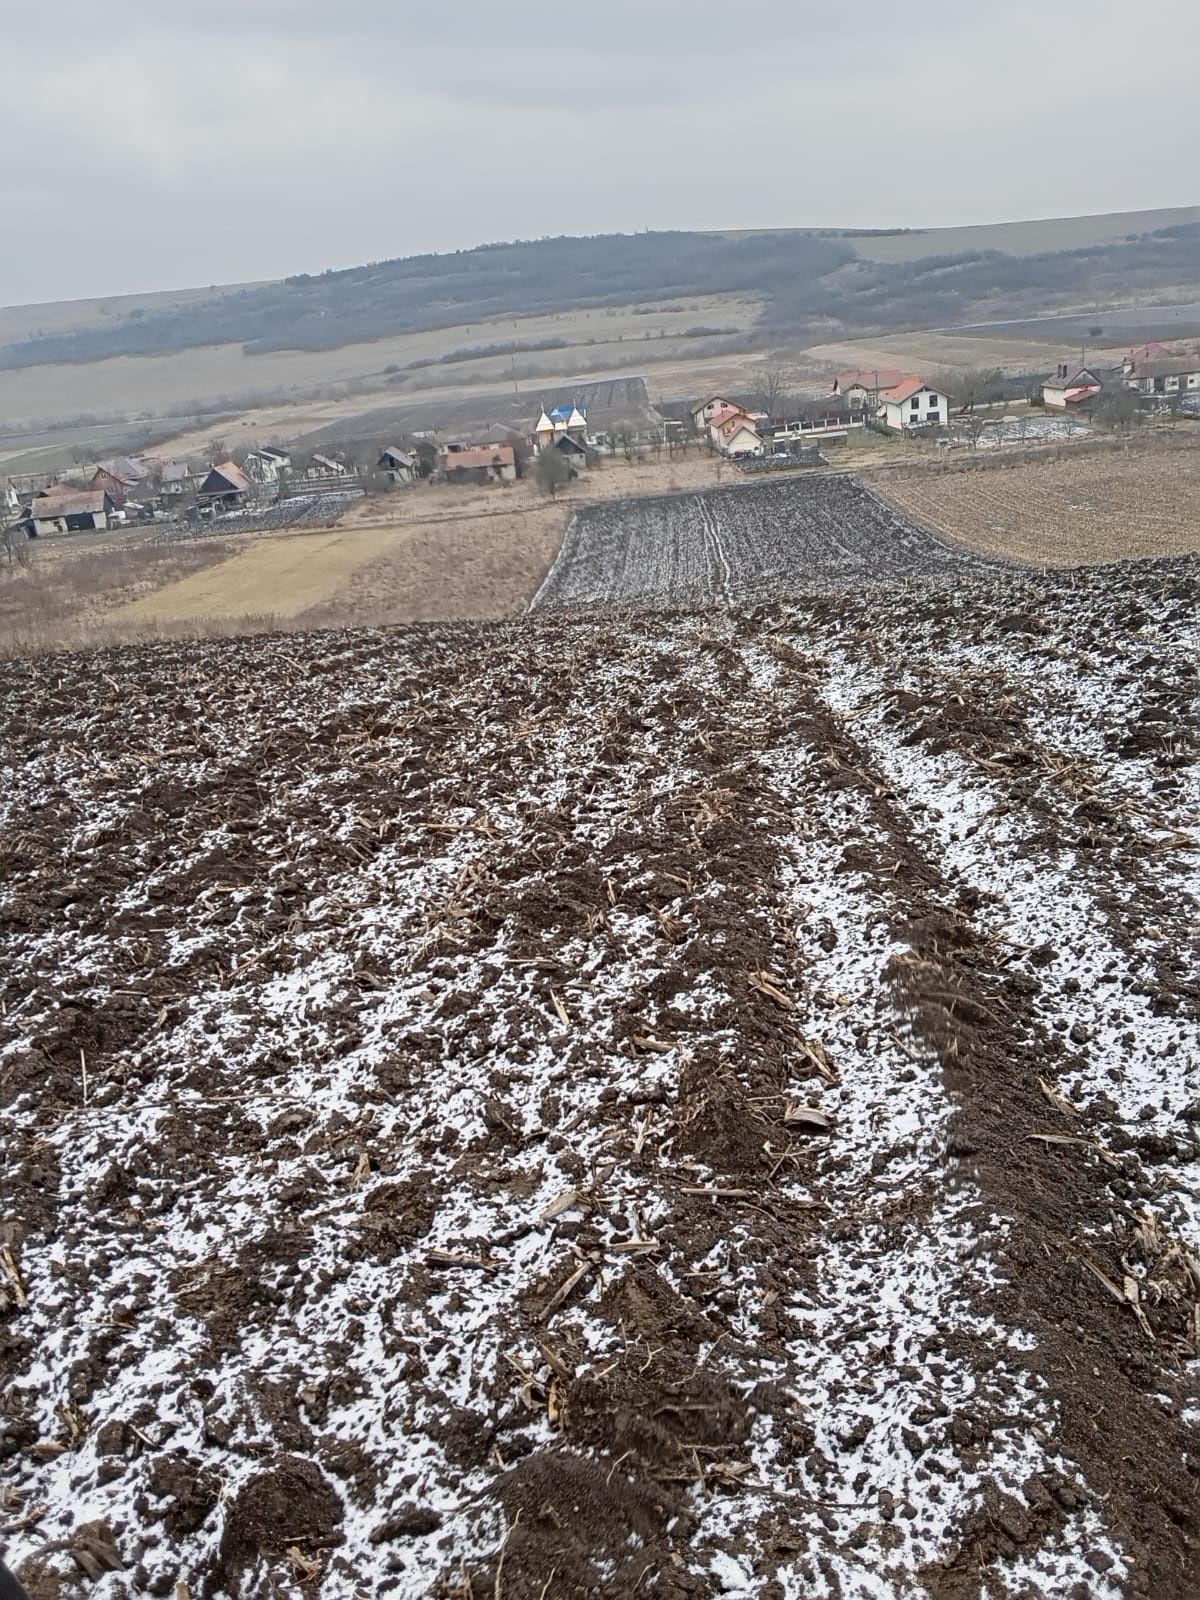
702,414
861,389
912,403
737,436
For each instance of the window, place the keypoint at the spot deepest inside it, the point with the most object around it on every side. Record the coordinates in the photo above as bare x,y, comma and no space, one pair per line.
916,402
935,416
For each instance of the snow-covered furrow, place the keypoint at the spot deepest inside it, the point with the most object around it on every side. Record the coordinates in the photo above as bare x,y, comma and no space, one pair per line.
1124,1049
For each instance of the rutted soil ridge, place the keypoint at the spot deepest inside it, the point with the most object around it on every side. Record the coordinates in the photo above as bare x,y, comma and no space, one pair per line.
536,1110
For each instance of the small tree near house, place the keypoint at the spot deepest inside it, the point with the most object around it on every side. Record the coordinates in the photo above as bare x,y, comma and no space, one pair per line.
773,385
14,545
551,472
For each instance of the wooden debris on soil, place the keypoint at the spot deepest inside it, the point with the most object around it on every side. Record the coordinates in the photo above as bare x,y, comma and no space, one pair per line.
12,1275
797,1114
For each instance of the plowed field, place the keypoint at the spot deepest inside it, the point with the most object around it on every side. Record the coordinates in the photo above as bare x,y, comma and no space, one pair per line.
550,1109
751,542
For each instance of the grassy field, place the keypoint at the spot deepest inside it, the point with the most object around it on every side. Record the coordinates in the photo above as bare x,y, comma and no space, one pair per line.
427,554
1068,506
1021,238
61,316
598,337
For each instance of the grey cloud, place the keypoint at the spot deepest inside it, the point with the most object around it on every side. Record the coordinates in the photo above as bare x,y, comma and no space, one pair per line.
186,145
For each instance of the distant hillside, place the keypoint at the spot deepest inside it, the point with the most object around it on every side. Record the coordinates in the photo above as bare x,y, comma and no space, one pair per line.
813,285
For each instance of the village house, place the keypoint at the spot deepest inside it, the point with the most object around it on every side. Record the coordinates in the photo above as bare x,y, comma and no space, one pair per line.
725,413
226,487
66,510
564,421
119,476
860,390
321,466
491,464
737,436
1151,351
397,466
702,414
175,483
912,404
1070,386
266,464
1163,375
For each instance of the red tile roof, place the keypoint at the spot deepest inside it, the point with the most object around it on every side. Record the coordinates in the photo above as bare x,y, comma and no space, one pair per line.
904,390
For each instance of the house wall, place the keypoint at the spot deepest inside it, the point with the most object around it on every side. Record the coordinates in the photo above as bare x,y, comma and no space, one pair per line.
1173,384
743,441
931,407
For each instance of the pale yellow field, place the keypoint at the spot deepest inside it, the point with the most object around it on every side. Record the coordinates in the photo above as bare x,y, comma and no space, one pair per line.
59,316
929,352
598,337
279,576
1022,238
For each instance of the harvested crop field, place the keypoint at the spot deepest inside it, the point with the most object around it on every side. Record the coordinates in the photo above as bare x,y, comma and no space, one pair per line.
748,542
544,1109
1075,506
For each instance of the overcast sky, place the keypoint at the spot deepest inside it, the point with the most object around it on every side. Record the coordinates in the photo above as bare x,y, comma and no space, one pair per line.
147,144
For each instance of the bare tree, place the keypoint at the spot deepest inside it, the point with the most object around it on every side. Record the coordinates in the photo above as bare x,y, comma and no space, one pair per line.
973,425
969,387
773,384
14,542
1117,408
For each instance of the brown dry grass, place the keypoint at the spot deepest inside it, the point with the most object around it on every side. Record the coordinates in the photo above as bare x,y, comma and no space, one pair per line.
66,591
1064,507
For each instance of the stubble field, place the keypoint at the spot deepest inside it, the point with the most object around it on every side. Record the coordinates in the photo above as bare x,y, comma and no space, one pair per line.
559,1108
1068,506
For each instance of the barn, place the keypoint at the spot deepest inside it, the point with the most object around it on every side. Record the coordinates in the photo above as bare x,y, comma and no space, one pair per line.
70,511
226,485
492,464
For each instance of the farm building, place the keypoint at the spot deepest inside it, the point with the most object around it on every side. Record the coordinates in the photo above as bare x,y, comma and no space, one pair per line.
491,464
563,421
266,464
397,466
1164,375
226,485
1071,386
571,450
911,404
61,510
